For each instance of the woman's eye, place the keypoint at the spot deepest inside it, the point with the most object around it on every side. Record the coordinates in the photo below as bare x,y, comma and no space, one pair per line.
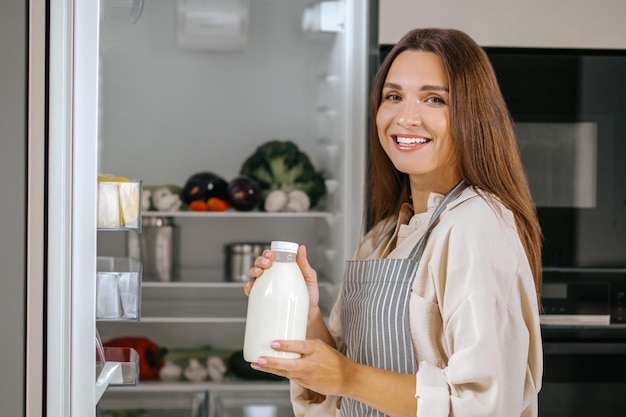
435,100
393,97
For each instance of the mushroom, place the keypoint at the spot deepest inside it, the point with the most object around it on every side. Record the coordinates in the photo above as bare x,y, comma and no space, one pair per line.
275,201
298,201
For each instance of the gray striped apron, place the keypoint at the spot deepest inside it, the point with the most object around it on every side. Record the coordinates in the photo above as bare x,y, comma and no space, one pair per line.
375,311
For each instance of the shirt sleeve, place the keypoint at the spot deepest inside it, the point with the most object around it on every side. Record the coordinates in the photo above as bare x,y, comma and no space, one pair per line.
489,318
485,375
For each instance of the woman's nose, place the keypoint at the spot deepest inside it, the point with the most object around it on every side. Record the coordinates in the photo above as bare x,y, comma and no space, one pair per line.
409,114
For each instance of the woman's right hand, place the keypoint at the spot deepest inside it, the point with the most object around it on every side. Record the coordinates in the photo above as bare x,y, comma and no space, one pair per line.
310,275
260,264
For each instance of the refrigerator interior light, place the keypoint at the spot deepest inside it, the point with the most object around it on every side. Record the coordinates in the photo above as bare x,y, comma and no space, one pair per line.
213,24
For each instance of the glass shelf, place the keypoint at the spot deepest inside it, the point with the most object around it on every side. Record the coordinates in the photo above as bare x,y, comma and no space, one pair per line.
229,385
199,302
235,214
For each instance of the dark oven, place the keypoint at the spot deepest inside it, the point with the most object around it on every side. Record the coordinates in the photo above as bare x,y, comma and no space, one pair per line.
569,109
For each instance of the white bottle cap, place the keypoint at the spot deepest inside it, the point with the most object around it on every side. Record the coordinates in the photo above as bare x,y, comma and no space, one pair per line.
279,245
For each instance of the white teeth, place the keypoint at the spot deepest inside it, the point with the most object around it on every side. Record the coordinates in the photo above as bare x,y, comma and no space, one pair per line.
410,141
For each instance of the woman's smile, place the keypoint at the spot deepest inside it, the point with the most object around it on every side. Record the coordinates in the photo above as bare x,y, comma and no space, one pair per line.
411,142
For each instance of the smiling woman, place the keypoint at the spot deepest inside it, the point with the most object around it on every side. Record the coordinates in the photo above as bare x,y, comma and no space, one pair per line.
414,123
438,313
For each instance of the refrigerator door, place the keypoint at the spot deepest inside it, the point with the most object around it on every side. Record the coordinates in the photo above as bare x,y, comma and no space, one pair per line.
71,245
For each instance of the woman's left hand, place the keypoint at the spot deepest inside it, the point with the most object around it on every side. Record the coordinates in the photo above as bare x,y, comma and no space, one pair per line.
321,368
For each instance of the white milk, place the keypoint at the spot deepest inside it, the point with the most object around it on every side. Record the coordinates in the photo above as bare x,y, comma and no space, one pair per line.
278,307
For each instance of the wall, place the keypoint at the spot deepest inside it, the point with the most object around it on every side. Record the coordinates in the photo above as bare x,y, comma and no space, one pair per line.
168,112
513,23
12,203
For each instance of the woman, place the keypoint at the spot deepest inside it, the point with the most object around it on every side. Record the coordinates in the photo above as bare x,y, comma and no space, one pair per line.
438,315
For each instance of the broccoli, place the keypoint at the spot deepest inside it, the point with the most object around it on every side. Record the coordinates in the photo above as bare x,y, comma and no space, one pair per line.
280,165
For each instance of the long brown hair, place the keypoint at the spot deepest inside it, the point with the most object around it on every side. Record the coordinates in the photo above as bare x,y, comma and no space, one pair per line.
481,128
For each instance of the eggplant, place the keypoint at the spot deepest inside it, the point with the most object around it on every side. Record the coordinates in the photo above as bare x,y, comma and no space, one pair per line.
204,185
244,193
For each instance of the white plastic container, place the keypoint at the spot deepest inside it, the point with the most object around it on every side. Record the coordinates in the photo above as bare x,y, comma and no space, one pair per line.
278,305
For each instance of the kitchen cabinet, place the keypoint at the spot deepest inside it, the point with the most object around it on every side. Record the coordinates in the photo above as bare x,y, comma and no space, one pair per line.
522,24
169,109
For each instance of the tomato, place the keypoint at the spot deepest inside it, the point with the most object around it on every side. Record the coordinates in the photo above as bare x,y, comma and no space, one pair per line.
198,205
217,204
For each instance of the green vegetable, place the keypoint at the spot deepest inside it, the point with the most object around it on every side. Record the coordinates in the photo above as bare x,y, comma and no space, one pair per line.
281,165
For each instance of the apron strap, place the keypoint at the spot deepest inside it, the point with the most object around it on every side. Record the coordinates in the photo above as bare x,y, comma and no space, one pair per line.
451,195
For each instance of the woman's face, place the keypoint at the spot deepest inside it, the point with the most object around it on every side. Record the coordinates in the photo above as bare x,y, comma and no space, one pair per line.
413,121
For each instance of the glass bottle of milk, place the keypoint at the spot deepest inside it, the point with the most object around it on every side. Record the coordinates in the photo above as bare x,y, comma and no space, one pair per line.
278,305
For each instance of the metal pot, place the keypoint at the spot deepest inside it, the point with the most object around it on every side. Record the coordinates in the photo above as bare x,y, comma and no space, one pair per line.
240,258
156,248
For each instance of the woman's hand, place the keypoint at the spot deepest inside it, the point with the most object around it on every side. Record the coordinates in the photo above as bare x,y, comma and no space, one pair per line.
321,368
326,371
260,264
310,275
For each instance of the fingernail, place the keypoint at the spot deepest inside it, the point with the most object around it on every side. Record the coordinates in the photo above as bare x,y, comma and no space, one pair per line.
265,261
261,361
275,345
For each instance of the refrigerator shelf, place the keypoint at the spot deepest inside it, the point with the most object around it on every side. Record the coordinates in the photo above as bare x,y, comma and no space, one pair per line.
193,320
184,290
118,289
231,213
229,385
202,302
119,205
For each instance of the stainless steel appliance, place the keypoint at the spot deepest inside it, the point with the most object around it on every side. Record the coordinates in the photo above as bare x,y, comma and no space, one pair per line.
584,296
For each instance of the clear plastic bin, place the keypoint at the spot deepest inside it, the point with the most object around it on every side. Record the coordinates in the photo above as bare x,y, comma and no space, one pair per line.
128,358
119,205
115,367
118,288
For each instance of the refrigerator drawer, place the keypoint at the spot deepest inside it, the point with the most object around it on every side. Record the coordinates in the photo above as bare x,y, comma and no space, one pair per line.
249,404
153,404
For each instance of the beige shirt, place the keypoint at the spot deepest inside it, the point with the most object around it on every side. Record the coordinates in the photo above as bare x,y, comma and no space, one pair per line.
473,312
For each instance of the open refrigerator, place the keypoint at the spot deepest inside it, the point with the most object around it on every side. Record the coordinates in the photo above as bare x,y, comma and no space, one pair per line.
155,91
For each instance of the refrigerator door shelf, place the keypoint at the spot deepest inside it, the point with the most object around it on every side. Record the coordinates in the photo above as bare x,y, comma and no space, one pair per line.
118,289
119,205
120,367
